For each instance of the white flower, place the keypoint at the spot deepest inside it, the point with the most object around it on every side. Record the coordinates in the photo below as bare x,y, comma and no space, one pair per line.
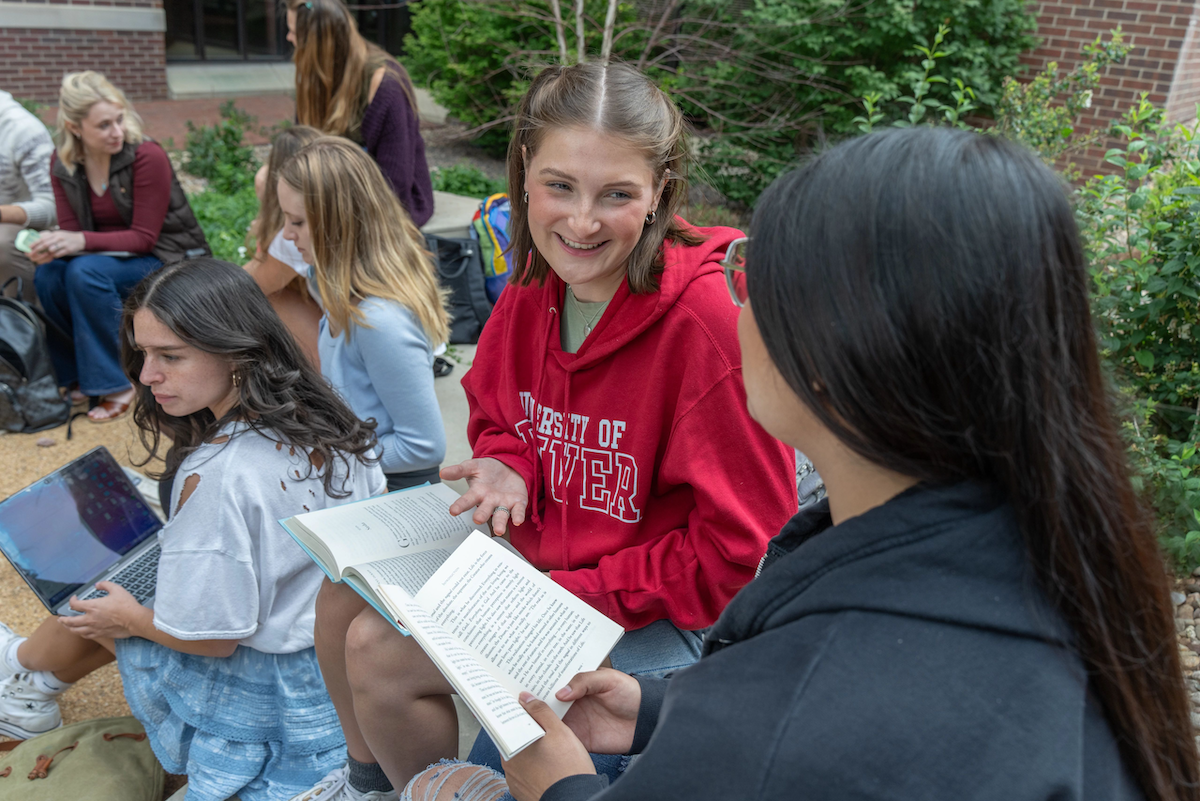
242,252
1087,99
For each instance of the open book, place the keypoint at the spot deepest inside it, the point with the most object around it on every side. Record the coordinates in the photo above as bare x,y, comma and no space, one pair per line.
399,538
491,622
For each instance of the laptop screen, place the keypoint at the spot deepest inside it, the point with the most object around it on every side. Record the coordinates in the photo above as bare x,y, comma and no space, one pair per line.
73,524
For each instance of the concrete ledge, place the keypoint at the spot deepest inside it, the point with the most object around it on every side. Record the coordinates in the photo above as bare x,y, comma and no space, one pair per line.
214,79
81,18
238,78
452,215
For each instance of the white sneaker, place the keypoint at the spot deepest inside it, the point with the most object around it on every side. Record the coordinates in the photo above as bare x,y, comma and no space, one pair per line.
7,636
336,787
25,711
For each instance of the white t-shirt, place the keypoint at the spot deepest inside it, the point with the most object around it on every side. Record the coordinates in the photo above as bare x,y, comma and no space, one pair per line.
228,570
285,250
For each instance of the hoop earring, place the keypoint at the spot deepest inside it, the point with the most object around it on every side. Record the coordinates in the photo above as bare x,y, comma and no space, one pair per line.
525,198
651,217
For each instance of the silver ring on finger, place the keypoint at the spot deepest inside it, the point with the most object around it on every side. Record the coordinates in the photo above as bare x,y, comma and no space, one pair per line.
501,509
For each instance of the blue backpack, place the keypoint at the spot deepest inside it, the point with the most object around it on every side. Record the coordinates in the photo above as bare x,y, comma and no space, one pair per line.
490,228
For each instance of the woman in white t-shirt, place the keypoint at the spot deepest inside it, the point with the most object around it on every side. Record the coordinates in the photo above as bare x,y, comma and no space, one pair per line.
221,672
278,268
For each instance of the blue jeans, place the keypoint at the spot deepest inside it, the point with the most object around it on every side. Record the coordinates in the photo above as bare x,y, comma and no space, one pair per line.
655,650
83,296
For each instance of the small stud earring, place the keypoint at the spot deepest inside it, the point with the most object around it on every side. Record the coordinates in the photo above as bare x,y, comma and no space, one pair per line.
651,217
237,379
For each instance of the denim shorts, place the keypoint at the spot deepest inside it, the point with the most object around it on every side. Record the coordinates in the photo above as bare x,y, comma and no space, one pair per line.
656,650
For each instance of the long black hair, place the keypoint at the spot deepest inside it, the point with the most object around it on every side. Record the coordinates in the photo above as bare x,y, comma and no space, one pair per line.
924,292
218,308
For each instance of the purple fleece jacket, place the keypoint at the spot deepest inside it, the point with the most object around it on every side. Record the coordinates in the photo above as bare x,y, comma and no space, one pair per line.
391,133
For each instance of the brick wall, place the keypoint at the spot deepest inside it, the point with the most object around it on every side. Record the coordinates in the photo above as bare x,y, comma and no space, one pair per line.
1163,60
33,60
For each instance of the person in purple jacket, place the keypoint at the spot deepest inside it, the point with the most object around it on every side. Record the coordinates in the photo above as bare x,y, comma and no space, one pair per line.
347,86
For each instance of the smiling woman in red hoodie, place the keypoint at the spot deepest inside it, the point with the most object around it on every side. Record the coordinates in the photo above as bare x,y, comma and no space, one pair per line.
608,420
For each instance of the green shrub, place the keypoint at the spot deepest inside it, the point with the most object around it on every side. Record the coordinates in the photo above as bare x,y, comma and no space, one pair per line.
225,218
35,108
228,205
217,152
463,179
1142,233
763,80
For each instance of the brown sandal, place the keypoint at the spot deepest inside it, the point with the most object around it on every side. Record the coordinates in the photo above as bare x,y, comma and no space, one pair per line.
115,410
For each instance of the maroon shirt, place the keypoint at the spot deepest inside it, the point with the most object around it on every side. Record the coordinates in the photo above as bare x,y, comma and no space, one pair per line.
151,197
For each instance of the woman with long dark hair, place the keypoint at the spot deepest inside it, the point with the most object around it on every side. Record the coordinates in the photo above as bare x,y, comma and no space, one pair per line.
979,608
222,671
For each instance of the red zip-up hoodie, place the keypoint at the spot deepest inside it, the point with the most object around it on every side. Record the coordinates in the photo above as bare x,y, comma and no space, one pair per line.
652,492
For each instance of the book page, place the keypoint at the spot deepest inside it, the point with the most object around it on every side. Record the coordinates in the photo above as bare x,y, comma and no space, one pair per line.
494,705
387,525
535,634
410,571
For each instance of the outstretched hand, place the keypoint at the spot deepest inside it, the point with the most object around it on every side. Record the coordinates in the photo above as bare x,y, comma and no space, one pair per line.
556,756
495,491
605,711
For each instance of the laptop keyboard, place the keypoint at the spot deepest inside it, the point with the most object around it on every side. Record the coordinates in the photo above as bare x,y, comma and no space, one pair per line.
139,577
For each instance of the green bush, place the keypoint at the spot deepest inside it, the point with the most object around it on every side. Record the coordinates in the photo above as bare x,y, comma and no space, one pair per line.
228,205
1143,237
225,218
217,152
764,81
463,179
35,108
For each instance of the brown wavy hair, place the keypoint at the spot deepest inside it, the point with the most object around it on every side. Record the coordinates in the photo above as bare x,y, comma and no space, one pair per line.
925,294
216,307
334,65
618,100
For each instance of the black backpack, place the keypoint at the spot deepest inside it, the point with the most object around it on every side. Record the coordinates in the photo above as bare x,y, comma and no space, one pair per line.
29,397
460,270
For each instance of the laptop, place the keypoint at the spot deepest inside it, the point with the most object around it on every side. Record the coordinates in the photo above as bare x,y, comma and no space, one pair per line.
83,523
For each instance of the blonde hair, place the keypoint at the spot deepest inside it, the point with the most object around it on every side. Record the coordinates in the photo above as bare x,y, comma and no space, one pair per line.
334,66
80,91
269,221
364,244
613,99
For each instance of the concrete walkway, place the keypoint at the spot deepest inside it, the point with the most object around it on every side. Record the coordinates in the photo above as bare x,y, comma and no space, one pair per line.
214,79
263,90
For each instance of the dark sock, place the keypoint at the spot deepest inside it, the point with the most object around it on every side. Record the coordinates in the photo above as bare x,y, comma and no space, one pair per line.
368,776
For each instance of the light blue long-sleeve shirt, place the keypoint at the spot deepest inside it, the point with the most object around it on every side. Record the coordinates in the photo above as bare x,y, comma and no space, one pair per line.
384,370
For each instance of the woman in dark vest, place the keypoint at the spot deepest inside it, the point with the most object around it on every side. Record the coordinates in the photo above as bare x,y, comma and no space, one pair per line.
122,216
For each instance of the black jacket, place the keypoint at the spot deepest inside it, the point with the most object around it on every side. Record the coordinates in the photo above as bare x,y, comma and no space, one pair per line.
905,654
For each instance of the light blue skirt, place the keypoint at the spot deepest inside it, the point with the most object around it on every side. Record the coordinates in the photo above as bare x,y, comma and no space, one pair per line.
255,725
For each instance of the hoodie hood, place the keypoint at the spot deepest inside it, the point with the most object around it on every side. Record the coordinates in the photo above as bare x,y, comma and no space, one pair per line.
951,554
